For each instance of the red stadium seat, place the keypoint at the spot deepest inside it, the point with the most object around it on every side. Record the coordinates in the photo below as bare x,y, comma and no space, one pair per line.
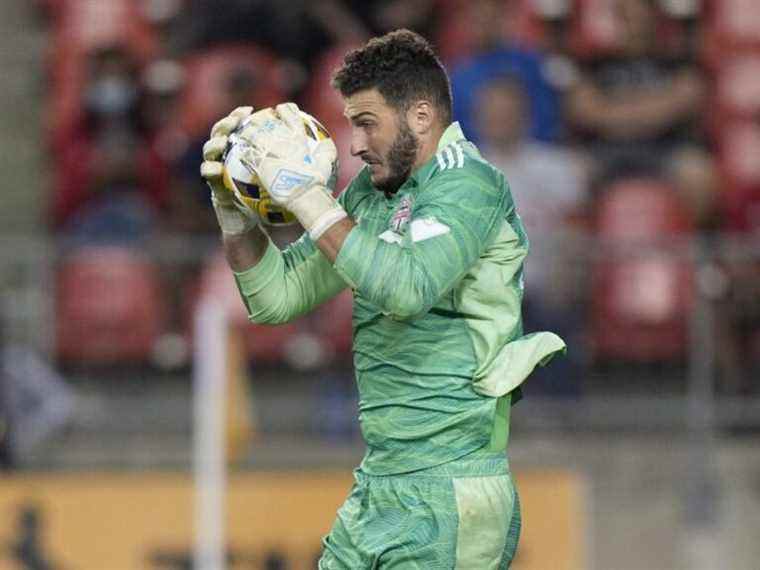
641,300
528,22
452,38
327,330
265,344
109,307
323,101
738,152
523,23
203,100
734,23
742,211
595,28
85,25
738,86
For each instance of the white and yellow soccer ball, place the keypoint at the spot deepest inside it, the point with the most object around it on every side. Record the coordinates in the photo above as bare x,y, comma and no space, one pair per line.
240,176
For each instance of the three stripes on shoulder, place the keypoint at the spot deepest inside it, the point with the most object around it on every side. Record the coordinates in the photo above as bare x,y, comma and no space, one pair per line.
450,156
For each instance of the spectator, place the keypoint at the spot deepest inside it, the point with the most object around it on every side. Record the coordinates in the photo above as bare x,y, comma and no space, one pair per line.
356,20
107,179
160,117
549,188
639,111
121,199
286,28
496,55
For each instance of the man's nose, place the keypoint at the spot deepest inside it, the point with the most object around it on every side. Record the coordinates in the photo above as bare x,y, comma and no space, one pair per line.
358,143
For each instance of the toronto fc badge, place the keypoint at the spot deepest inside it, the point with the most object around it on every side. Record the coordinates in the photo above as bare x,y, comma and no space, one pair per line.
401,216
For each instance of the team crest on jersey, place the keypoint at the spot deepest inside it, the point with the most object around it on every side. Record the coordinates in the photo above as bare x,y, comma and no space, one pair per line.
402,215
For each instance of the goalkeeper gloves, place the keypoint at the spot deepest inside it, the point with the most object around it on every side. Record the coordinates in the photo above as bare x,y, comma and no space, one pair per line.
295,169
233,220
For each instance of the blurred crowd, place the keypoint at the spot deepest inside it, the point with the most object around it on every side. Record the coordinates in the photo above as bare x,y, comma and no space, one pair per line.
616,122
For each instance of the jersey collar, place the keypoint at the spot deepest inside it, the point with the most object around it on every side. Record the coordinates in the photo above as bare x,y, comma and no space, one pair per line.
452,134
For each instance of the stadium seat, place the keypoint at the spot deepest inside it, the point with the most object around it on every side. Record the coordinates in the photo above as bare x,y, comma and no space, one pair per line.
326,330
203,98
734,24
532,22
737,85
85,25
742,211
642,295
523,23
264,344
109,307
738,152
594,29
323,101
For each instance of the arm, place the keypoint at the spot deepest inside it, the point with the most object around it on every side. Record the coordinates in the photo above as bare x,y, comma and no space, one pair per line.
245,250
452,224
278,286
640,113
338,21
332,240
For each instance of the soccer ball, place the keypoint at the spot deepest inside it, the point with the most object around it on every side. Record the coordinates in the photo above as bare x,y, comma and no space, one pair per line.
241,179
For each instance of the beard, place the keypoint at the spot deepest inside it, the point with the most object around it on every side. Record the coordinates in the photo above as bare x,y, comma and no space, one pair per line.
400,159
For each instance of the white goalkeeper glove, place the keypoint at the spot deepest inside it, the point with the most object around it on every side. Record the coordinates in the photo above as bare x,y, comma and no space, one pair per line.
296,170
233,220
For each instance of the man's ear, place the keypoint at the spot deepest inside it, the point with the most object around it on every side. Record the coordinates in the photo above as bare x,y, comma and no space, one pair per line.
421,117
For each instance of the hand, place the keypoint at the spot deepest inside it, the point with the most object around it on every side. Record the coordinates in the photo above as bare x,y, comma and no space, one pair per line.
232,218
295,169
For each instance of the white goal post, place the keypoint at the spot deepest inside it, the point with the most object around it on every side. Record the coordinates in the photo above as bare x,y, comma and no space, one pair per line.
209,453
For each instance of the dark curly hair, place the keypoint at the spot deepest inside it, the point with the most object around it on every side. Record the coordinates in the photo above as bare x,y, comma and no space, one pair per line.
402,66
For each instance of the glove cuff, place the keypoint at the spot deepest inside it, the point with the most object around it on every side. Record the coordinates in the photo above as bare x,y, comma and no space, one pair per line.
317,210
231,220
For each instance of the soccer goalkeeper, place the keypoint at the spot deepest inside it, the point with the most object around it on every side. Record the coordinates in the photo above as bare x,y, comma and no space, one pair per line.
427,238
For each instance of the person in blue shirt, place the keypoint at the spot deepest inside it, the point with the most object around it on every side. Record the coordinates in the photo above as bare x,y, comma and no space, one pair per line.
496,56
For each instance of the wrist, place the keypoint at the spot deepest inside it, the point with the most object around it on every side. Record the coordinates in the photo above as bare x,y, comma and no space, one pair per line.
245,251
317,210
231,220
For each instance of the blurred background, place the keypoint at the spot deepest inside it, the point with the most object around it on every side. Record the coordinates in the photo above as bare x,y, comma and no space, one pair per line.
629,131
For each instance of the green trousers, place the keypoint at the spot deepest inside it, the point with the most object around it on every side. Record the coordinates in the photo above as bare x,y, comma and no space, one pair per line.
463,515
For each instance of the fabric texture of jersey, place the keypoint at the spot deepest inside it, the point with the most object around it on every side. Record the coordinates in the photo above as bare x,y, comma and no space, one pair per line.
436,274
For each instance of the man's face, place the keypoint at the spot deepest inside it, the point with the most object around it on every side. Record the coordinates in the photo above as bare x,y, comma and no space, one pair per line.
500,114
381,137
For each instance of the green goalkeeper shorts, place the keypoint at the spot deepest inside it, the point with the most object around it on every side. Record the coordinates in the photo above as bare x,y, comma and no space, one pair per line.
463,515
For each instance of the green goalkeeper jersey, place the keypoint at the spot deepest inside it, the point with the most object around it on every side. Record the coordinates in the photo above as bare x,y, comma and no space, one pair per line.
436,274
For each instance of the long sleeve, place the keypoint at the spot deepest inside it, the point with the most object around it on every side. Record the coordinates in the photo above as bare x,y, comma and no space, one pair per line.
287,284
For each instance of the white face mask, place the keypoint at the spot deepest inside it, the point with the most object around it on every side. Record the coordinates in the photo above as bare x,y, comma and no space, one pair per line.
111,96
